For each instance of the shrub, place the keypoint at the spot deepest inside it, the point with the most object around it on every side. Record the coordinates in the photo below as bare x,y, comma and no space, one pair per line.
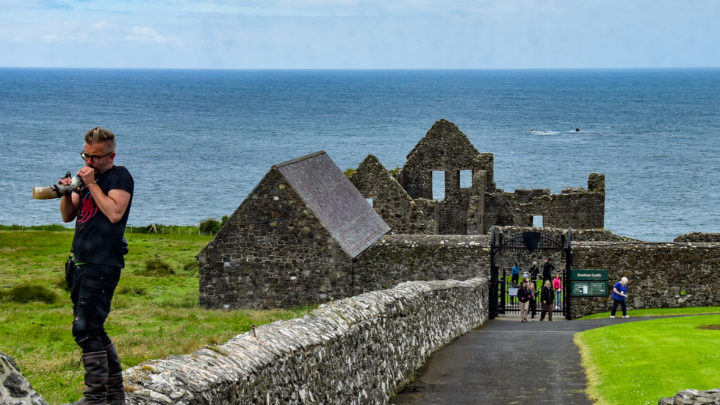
209,226
28,293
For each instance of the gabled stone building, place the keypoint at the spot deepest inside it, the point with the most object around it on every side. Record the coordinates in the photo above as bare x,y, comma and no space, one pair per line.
472,203
292,241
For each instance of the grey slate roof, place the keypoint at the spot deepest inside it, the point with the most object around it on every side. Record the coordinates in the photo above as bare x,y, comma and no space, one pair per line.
335,201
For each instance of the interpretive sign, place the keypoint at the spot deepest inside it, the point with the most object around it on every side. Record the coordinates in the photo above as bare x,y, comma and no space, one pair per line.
589,283
589,288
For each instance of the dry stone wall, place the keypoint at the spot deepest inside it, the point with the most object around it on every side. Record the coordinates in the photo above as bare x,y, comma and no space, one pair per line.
524,259
397,258
693,397
698,237
358,350
661,275
238,277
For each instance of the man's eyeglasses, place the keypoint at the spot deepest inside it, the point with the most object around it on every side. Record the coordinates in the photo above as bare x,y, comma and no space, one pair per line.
86,156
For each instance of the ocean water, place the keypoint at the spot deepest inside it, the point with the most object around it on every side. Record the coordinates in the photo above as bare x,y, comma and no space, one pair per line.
197,142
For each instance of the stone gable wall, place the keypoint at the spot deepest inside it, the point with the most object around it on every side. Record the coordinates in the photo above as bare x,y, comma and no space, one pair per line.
390,200
359,350
272,252
444,147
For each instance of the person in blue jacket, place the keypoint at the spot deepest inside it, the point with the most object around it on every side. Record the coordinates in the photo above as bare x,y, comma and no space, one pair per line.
619,295
515,275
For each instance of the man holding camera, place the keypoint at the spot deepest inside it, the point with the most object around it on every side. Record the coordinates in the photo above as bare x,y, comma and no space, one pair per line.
100,209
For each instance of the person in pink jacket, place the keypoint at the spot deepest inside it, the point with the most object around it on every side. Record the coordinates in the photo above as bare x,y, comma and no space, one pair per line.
558,286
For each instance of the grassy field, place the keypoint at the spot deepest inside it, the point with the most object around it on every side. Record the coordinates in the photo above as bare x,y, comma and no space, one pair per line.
641,362
155,309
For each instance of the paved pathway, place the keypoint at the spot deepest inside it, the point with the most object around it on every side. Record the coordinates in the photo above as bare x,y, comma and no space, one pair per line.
507,362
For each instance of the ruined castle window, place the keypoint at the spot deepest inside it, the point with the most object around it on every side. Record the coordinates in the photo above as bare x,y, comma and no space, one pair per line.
537,221
438,185
369,201
465,178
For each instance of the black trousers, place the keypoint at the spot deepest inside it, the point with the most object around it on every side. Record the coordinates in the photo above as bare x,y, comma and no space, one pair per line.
533,307
546,309
92,292
615,305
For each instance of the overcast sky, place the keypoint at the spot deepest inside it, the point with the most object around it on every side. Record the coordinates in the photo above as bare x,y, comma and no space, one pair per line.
360,34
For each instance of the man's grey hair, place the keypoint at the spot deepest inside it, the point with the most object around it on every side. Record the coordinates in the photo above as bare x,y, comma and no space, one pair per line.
98,134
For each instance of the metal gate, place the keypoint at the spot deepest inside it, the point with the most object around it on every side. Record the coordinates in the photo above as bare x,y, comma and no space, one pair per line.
502,299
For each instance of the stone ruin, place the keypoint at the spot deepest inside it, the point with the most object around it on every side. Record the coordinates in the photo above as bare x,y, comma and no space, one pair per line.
472,203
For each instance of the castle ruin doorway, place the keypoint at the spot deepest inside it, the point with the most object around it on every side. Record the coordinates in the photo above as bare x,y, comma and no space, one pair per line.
502,301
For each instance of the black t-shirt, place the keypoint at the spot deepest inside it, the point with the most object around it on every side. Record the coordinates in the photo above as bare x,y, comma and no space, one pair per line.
97,240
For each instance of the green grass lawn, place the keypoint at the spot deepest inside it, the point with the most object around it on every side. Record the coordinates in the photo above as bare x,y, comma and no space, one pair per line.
155,309
641,362
659,312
